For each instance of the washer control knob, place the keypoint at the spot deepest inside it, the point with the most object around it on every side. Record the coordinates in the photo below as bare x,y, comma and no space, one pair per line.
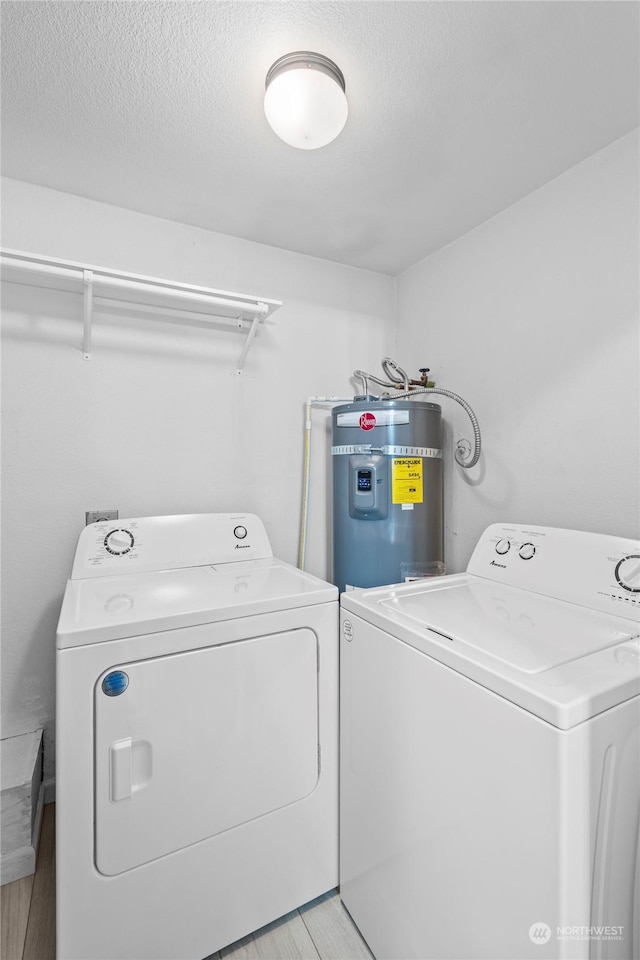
527,550
503,546
628,573
240,532
119,542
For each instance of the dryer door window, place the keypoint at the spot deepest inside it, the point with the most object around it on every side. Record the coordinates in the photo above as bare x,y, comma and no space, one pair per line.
192,744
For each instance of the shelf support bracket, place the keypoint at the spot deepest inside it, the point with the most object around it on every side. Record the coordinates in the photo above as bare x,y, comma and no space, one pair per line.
253,329
87,277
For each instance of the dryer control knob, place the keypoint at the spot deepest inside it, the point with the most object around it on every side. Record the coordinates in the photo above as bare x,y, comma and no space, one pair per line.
503,546
527,550
240,532
628,573
119,542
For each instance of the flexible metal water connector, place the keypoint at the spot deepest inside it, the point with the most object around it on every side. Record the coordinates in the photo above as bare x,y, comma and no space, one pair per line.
366,377
460,457
391,368
394,373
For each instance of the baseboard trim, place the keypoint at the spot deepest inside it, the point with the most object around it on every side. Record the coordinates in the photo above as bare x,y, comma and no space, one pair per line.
22,862
49,790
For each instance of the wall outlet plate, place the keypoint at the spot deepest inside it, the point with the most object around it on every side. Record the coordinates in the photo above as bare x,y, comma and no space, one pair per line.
93,516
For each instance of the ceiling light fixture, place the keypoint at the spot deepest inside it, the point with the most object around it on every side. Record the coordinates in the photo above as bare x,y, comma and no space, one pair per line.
305,100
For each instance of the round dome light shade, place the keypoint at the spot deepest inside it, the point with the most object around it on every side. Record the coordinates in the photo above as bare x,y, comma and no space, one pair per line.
304,101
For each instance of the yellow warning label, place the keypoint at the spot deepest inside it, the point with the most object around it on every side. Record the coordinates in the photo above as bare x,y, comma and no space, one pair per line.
406,480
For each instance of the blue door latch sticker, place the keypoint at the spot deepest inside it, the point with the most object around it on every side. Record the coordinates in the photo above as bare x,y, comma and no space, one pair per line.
115,683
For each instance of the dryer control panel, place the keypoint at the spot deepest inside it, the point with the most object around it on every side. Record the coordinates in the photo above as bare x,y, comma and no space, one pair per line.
143,544
591,569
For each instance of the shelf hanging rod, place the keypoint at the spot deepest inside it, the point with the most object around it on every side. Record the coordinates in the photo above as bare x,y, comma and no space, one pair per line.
258,309
106,303
35,266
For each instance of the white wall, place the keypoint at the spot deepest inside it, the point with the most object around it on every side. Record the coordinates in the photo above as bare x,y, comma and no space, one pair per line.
533,318
157,422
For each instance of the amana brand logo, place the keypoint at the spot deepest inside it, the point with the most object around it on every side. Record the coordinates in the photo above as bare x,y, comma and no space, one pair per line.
243,546
367,421
494,564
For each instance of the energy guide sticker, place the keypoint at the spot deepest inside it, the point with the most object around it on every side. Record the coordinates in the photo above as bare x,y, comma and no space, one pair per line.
406,480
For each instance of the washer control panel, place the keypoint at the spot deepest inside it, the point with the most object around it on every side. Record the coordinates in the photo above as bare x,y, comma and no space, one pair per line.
144,544
119,541
628,573
526,551
591,569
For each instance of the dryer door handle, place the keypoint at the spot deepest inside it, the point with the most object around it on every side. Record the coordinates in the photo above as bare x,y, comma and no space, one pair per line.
120,770
130,767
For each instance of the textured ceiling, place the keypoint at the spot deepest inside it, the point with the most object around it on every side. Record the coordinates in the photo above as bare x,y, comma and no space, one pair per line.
456,110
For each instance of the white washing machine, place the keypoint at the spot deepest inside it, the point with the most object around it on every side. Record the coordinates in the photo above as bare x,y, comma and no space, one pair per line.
490,759
197,738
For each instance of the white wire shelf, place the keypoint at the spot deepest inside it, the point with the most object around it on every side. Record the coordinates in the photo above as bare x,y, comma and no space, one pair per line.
105,289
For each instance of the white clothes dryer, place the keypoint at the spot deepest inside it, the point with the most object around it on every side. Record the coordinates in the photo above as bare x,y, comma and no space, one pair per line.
197,738
490,757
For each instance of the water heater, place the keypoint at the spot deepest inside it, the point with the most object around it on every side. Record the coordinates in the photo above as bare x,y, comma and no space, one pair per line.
387,491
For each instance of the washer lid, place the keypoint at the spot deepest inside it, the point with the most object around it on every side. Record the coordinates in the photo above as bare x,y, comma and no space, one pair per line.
563,662
523,630
114,607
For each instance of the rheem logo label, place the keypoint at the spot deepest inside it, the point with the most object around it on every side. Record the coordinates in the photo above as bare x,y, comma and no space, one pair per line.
367,421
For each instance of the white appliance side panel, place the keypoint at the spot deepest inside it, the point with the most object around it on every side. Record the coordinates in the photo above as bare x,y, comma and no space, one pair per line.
200,742
466,820
612,861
